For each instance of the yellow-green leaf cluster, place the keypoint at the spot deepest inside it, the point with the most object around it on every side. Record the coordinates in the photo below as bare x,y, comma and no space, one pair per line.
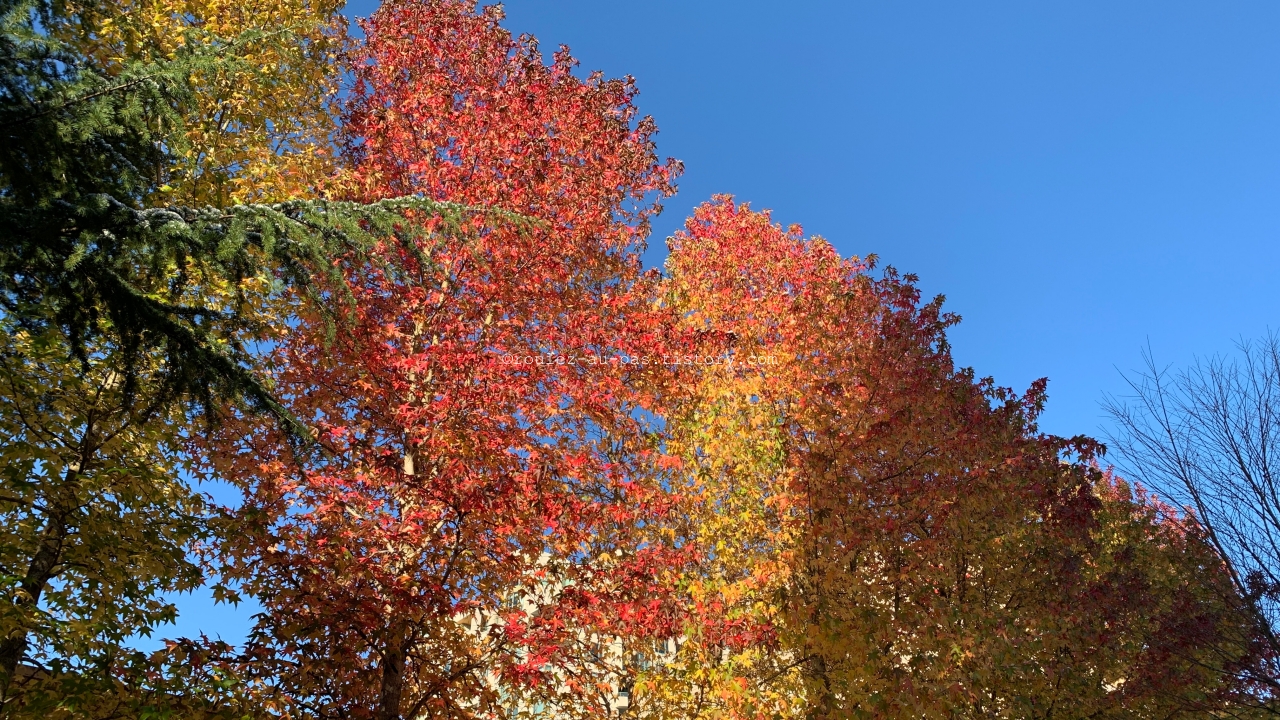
261,129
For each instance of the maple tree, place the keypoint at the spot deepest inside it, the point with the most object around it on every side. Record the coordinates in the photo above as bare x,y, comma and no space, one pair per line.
470,538
90,499
98,525
883,534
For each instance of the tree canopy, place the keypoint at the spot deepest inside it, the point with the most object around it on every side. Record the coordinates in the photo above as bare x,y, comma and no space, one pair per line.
488,465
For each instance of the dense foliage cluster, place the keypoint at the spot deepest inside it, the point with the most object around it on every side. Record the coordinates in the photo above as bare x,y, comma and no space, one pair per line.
489,466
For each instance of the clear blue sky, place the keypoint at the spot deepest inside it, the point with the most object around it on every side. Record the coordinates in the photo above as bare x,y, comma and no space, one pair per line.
1078,178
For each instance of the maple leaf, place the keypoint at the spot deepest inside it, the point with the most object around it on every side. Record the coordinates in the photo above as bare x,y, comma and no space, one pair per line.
477,478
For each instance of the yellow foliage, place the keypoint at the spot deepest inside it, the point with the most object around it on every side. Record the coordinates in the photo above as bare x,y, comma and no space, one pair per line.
260,133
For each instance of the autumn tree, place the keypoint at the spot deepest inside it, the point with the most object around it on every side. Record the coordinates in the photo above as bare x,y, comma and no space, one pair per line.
898,540
468,542
121,323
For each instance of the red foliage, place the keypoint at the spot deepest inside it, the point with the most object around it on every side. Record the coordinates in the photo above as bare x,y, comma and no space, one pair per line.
485,412
487,449
449,105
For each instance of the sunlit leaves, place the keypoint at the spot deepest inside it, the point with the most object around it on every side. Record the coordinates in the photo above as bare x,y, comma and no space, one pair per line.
470,542
259,129
882,535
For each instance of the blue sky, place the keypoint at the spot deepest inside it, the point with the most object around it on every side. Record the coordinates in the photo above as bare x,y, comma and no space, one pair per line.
1078,178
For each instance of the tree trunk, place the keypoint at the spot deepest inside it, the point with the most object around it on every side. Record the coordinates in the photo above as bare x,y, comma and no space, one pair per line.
822,705
393,657
43,567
